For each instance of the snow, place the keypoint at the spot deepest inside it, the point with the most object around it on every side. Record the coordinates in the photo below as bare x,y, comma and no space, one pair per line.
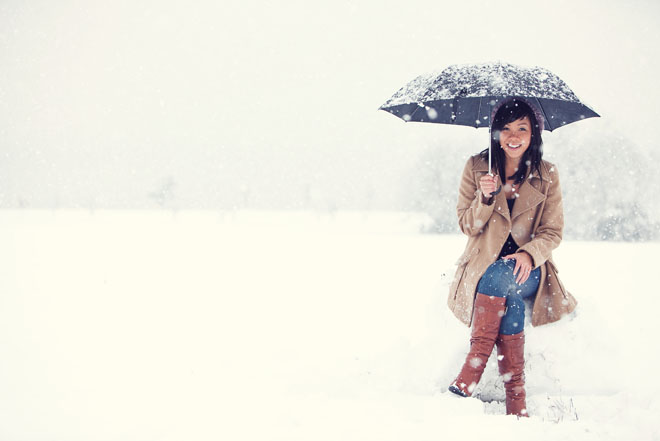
483,79
119,325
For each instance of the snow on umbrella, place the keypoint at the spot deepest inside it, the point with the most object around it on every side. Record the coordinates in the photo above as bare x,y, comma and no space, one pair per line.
466,95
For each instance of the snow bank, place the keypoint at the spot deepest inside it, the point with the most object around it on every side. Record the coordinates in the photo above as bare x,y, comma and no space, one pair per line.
272,326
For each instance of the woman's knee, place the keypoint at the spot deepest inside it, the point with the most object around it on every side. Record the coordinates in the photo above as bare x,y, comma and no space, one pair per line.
500,268
498,279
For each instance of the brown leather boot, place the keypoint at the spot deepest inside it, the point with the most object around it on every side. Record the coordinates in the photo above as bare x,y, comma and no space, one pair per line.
511,361
488,312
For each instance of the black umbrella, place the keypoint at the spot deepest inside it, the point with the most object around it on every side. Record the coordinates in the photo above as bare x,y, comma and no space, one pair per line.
466,95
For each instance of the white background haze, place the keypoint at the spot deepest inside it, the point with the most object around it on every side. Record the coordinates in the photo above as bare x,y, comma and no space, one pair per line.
254,104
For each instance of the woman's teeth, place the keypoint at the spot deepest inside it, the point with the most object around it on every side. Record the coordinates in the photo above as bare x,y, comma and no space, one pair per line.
514,146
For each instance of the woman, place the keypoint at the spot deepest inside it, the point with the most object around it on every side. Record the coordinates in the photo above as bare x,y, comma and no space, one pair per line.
508,257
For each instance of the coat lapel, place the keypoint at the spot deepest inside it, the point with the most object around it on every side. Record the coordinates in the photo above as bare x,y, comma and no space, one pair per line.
501,205
529,197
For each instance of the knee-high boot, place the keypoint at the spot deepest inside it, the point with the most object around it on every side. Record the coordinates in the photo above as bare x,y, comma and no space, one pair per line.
488,312
511,361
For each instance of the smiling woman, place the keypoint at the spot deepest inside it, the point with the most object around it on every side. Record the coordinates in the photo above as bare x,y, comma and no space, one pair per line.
508,257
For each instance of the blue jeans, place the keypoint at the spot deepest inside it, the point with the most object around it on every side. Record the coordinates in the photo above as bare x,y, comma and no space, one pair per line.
499,281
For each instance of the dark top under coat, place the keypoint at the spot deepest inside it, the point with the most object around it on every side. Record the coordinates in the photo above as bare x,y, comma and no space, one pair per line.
510,246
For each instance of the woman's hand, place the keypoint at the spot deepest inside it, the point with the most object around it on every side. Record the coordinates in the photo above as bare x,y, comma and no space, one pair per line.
523,266
488,185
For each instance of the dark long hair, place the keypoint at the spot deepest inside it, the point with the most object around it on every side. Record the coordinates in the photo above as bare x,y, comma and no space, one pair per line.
509,112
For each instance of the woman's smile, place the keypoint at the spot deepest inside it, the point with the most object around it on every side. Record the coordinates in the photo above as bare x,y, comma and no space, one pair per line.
515,138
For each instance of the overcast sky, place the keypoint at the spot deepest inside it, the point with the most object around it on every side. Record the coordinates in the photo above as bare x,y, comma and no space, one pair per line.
274,104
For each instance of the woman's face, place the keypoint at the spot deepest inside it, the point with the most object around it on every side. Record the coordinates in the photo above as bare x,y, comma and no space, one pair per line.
515,138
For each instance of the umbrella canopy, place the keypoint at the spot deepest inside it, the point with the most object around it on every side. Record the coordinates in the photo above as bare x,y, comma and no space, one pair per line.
466,95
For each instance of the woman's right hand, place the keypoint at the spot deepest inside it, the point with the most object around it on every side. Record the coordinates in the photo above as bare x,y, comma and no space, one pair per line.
488,185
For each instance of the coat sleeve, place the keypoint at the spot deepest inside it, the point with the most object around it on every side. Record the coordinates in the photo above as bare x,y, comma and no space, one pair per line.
473,213
549,232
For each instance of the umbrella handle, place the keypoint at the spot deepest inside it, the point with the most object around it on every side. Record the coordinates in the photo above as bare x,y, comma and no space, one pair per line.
491,174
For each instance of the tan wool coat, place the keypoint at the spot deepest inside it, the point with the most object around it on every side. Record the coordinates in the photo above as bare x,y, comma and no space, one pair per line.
536,224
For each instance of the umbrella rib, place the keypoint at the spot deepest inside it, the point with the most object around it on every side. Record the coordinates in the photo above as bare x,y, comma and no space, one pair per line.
479,112
414,111
547,120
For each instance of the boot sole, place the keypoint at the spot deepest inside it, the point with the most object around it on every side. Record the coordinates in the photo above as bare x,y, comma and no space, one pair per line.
457,391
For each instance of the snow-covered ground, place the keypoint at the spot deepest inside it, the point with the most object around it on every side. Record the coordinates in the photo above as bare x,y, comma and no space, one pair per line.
297,326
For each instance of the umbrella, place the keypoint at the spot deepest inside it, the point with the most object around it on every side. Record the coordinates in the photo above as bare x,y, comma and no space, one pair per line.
466,95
